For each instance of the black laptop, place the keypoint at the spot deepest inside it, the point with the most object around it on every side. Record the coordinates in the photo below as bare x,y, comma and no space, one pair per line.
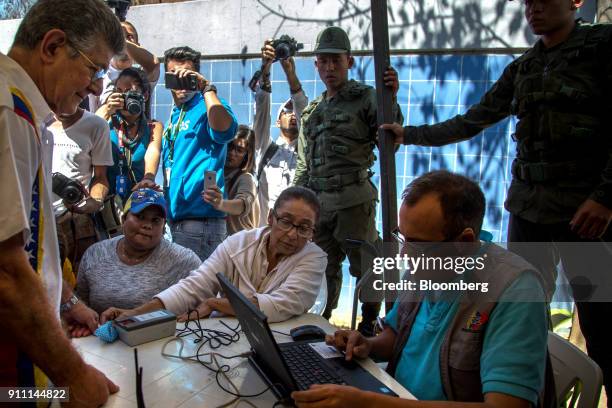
293,366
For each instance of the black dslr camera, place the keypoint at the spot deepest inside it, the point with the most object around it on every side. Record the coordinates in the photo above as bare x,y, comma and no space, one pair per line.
67,189
134,102
121,7
285,47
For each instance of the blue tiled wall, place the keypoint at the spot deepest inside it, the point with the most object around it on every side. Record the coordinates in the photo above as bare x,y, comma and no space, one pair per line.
432,88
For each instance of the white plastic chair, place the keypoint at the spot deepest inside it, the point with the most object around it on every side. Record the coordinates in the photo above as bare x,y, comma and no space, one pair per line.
321,300
574,372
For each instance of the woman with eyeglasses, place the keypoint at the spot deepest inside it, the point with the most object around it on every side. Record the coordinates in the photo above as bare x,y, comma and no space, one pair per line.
277,267
133,135
241,204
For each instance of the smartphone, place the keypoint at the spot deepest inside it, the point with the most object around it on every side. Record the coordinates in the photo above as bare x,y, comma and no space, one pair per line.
190,82
210,179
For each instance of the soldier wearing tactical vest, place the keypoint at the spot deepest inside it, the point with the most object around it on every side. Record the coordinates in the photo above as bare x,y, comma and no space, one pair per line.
335,152
464,348
561,189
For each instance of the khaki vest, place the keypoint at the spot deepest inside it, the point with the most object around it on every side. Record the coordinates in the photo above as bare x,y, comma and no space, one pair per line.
462,345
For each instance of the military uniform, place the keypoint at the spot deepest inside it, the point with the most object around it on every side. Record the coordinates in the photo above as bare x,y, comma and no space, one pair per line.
561,98
335,152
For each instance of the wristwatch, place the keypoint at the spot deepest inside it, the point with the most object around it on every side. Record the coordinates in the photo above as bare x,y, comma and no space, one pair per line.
208,88
65,307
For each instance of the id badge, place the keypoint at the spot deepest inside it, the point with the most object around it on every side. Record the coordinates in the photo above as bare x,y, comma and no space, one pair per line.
121,185
168,171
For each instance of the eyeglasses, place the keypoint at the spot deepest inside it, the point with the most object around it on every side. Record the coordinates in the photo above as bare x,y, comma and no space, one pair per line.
286,225
99,72
417,247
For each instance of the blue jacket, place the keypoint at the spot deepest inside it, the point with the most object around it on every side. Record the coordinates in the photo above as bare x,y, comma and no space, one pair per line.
197,149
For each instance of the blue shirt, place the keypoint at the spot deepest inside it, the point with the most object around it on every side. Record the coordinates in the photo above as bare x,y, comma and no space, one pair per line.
197,149
513,353
120,159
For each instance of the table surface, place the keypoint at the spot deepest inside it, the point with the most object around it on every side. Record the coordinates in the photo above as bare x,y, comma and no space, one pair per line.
172,382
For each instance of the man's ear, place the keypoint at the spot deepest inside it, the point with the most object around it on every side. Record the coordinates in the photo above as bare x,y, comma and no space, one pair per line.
270,216
468,235
576,4
51,44
351,61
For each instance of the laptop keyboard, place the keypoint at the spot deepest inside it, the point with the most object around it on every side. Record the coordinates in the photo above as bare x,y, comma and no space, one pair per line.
306,367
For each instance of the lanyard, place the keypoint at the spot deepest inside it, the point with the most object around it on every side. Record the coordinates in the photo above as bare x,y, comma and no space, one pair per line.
171,133
125,154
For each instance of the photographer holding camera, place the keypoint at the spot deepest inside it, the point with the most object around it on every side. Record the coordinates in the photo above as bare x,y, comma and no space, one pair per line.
81,154
132,134
276,161
194,142
135,56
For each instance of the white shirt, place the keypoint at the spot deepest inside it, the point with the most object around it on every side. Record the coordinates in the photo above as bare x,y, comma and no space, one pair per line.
26,148
77,149
290,289
278,174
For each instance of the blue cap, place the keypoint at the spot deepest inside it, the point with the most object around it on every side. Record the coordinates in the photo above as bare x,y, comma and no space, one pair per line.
144,197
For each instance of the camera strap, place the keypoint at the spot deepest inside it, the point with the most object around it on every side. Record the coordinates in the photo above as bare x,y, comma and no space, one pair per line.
125,148
171,133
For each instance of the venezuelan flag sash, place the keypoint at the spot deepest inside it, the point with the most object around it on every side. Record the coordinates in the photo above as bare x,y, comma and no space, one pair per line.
18,370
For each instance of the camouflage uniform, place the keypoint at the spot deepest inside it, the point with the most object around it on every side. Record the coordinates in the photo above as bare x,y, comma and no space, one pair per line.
561,98
335,152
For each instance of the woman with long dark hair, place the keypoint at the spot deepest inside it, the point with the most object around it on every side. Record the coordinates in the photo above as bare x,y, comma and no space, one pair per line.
241,204
132,134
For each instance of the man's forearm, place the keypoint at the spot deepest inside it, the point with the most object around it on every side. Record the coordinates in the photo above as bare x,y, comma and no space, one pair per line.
382,345
294,82
218,117
28,318
143,57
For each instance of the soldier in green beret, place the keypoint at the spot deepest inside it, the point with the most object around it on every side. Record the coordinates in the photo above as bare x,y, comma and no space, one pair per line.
336,144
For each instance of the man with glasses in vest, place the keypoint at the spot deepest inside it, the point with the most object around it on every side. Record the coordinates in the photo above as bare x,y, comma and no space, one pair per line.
469,345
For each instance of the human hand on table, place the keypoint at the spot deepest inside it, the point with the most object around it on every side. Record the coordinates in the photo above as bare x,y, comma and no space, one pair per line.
203,310
82,321
353,343
113,313
331,396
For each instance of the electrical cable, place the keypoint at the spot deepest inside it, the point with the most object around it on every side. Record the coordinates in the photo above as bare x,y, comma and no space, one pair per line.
214,338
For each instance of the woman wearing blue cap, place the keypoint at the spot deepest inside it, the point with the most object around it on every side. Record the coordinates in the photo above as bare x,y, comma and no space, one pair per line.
129,269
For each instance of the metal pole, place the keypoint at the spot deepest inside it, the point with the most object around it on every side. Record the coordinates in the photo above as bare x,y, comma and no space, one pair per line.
386,145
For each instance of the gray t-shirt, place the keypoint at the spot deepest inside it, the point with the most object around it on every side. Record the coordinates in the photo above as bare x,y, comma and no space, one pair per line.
104,281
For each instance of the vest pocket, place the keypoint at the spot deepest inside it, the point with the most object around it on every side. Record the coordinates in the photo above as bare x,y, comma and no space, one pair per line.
465,350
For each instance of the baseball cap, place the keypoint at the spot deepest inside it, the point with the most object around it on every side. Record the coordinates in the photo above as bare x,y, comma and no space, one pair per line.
332,40
143,198
287,106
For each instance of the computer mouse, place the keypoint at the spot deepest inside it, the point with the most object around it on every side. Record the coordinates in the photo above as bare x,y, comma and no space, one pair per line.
307,332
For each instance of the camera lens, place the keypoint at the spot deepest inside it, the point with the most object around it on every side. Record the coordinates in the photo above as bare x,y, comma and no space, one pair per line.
72,195
133,107
282,51
133,103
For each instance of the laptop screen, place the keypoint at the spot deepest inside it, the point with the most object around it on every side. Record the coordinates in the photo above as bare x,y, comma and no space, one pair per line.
255,325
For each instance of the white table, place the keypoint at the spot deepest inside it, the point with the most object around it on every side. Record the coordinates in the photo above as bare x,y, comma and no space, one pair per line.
170,382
